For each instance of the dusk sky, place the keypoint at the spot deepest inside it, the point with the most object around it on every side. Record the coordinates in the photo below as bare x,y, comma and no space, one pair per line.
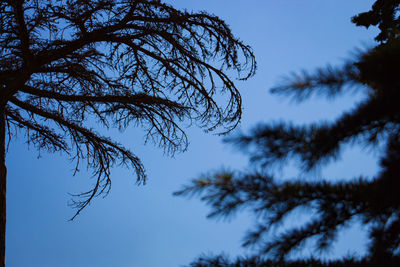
145,226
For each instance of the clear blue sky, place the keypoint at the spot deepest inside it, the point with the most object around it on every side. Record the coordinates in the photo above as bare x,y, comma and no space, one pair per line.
146,226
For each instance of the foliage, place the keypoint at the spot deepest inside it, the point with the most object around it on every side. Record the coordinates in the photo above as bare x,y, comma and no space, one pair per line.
374,123
384,14
65,64
224,261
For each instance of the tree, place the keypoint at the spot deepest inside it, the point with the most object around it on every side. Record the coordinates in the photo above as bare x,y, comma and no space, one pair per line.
373,201
68,63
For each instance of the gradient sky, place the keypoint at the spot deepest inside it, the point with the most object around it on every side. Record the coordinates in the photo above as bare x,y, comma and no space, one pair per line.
145,226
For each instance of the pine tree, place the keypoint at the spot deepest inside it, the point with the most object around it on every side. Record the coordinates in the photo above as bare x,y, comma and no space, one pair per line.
67,64
373,201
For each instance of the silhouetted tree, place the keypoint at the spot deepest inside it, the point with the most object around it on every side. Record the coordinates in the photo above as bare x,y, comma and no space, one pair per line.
374,122
115,62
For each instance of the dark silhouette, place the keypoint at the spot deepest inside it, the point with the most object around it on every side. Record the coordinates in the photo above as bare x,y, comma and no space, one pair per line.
374,201
224,261
114,62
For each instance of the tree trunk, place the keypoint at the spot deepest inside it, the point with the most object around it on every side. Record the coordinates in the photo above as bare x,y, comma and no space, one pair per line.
3,182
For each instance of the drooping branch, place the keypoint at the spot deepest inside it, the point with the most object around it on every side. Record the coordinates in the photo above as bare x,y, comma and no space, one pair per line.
44,136
101,153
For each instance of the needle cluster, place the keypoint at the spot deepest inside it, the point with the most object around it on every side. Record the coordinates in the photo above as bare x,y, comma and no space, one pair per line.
373,201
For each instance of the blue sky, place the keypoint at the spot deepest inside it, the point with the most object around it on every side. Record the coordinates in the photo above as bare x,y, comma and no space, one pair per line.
146,226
